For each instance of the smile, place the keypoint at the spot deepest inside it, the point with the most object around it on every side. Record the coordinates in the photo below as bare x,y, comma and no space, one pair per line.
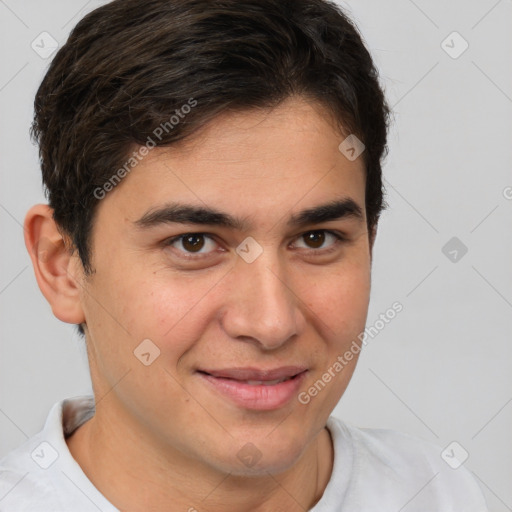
255,389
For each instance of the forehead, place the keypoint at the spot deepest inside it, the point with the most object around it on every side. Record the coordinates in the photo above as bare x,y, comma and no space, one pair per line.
254,164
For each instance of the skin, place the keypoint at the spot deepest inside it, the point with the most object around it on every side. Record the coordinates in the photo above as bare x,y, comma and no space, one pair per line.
291,306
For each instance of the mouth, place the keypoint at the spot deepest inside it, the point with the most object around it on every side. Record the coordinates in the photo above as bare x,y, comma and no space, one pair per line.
257,389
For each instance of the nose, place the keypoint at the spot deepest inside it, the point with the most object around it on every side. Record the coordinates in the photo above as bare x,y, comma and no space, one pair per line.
262,307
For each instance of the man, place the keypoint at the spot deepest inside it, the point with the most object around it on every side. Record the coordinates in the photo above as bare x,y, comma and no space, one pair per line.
213,170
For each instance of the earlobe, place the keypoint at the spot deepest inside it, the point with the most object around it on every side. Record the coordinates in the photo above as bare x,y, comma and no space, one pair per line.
57,269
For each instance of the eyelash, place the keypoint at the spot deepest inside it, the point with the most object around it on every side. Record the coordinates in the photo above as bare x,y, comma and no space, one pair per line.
190,256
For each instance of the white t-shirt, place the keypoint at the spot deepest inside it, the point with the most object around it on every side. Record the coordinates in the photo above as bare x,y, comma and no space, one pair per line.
374,471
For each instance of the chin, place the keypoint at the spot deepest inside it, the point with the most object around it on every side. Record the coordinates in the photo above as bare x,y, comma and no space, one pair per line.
263,455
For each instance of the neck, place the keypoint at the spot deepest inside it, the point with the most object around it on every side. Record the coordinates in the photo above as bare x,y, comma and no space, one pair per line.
114,454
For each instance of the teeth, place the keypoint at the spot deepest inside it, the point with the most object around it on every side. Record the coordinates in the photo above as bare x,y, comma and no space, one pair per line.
266,382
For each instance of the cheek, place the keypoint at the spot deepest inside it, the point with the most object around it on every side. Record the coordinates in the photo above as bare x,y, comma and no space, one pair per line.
340,301
168,310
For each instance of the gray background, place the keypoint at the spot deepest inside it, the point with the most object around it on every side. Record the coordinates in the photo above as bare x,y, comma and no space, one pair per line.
442,369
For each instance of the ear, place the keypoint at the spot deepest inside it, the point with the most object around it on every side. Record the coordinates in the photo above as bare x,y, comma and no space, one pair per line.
58,271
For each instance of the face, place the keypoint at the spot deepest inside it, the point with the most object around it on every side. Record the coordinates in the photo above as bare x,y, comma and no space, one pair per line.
246,305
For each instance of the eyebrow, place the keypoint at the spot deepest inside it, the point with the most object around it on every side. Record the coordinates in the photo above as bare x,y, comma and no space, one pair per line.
200,215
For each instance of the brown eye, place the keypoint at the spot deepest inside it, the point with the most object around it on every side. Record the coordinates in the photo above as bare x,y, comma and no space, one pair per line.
315,239
193,243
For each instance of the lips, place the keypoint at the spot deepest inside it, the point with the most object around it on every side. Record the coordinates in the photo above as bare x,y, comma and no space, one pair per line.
253,374
252,388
